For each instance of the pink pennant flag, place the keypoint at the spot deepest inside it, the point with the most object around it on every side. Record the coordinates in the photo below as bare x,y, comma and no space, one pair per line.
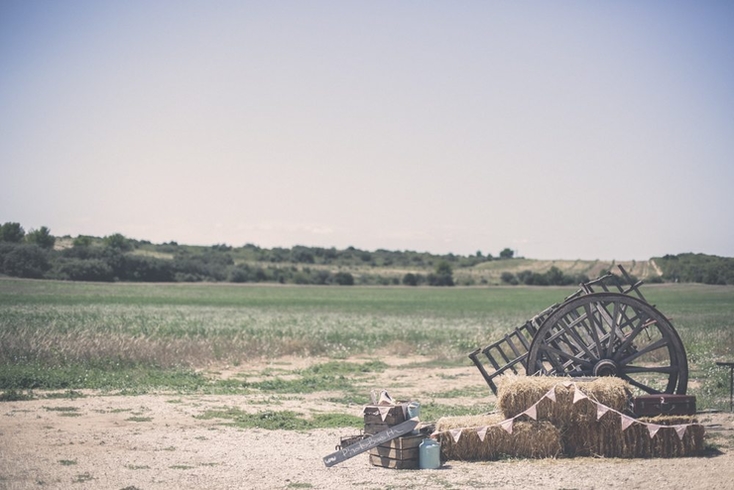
482,433
653,429
383,412
681,431
507,425
626,422
551,394
532,412
578,395
601,410
455,434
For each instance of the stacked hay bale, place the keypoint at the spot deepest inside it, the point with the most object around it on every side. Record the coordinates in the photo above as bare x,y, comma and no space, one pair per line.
581,433
565,427
528,439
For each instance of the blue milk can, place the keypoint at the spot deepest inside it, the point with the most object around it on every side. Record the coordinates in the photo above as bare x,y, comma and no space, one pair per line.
429,455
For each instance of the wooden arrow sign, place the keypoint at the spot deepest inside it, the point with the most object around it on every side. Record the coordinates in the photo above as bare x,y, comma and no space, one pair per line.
370,442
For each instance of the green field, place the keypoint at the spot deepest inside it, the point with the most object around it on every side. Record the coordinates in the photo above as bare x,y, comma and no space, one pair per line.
71,335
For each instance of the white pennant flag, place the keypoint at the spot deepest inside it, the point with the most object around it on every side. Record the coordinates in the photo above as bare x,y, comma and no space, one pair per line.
626,422
578,395
681,431
455,434
383,412
507,425
482,433
551,394
653,429
532,412
601,410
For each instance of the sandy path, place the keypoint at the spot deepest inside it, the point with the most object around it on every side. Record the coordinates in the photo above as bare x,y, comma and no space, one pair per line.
156,442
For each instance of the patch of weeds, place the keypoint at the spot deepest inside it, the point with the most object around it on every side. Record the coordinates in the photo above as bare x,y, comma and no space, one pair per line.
70,394
169,448
473,392
176,400
343,367
70,414
120,410
138,467
452,362
299,485
201,438
67,462
282,420
61,409
15,396
208,464
181,467
83,478
434,411
139,419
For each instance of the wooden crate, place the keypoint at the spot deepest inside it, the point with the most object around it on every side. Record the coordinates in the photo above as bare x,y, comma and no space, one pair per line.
400,453
373,422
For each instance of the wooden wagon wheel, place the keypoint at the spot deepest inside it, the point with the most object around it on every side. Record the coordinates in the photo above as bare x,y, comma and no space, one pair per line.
611,334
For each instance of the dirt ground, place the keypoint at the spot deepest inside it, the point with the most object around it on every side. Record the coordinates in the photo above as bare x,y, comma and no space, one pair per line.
156,442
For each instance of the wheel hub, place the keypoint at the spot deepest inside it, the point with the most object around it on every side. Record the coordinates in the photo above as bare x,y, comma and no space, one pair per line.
606,367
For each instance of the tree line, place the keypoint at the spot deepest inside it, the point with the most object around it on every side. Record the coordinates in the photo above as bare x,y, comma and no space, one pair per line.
115,257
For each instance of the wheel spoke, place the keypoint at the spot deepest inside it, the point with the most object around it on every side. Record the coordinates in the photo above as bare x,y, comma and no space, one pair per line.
628,340
652,369
641,386
594,331
566,355
654,346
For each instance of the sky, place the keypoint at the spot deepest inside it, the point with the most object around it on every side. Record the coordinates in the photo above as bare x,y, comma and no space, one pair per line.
559,129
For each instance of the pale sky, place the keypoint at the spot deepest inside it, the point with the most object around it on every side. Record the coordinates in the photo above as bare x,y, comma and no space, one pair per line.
560,129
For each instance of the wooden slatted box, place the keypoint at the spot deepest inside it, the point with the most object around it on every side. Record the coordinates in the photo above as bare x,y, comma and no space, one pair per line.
400,453
373,422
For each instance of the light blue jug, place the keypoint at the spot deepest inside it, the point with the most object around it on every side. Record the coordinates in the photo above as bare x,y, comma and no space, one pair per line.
429,454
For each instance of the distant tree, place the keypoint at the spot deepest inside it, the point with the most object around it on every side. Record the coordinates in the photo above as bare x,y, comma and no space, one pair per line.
344,279
410,279
507,253
444,275
82,241
24,260
508,278
118,241
11,232
41,237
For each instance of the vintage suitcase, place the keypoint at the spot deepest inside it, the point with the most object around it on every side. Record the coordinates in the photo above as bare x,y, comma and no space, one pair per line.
664,404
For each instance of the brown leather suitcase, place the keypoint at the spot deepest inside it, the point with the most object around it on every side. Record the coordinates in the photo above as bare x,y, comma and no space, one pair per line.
664,404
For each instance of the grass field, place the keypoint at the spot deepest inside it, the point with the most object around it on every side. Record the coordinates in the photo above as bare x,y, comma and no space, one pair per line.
69,335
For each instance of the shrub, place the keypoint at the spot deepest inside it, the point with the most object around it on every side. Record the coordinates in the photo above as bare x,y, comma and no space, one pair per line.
86,270
344,279
23,260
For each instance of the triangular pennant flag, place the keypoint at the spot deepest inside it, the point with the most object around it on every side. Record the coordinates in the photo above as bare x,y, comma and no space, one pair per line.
578,395
532,412
680,430
455,434
383,412
551,394
482,433
601,410
507,425
653,429
626,422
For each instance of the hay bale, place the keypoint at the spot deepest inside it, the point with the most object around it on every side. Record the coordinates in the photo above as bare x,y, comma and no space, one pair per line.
515,394
666,443
467,421
528,440
606,438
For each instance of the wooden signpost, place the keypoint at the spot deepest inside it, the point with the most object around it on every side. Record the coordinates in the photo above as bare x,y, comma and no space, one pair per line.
373,441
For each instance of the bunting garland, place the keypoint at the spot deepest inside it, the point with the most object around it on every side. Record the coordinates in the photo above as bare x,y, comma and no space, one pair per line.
578,395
